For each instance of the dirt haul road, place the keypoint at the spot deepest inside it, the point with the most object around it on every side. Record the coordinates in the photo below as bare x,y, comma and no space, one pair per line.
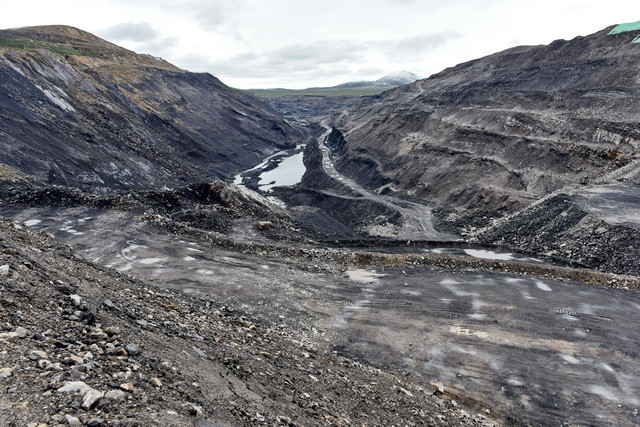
417,218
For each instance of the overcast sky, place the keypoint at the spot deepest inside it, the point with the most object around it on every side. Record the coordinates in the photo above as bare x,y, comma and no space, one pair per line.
303,43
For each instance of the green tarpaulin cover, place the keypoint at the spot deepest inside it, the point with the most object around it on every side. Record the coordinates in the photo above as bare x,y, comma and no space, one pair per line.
621,28
636,40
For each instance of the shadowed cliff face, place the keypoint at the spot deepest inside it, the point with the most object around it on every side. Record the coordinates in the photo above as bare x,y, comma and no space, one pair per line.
79,111
496,133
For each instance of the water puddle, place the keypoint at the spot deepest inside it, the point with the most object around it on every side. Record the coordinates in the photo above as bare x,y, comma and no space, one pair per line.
288,172
484,254
364,276
282,169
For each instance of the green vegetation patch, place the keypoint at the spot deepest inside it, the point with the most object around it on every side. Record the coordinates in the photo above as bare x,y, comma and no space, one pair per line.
329,91
13,41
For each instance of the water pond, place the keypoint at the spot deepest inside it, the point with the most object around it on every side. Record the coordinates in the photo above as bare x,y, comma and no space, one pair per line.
282,169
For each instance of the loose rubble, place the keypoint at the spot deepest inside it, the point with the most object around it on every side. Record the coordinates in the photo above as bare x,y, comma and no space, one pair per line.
191,362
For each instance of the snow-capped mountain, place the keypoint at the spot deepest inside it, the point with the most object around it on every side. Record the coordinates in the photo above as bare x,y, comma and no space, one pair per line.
397,79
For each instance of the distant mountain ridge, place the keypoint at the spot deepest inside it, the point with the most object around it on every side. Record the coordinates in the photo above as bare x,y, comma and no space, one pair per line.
356,88
392,80
398,79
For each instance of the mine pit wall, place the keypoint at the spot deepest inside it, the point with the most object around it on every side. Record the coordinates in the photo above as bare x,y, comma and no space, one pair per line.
497,133
104,126
473,168
559,227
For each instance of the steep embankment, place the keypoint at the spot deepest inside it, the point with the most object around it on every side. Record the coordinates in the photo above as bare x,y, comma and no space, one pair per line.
497,133
77,110
596,227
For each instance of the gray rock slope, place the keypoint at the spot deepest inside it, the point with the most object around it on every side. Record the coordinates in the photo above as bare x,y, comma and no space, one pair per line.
497,133
76,110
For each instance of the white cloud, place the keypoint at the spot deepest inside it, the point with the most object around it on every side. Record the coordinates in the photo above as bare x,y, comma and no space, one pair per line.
324,58
141,37
419,45
296,43
131,31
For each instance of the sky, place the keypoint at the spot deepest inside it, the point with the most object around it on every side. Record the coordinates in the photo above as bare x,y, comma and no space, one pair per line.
304,43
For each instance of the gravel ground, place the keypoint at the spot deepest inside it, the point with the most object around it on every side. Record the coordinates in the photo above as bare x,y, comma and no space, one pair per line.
84,345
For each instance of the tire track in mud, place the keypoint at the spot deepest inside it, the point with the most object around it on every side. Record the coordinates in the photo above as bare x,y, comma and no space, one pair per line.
506,342
543,351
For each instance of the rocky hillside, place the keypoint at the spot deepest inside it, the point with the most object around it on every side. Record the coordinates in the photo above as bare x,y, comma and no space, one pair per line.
497,133
596,227
76,110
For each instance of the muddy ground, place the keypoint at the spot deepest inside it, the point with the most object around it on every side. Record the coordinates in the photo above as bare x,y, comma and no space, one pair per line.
525,348
86,345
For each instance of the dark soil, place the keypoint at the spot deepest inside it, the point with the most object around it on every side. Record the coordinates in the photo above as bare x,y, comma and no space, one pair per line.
168,359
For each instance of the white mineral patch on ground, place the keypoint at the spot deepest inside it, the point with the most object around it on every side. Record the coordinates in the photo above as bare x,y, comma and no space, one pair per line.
459,330
32,222
480,253
277,202
159,272
570,359
543,286
70,230
477,316
365,276
603,392
515,381
151,260
608,367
